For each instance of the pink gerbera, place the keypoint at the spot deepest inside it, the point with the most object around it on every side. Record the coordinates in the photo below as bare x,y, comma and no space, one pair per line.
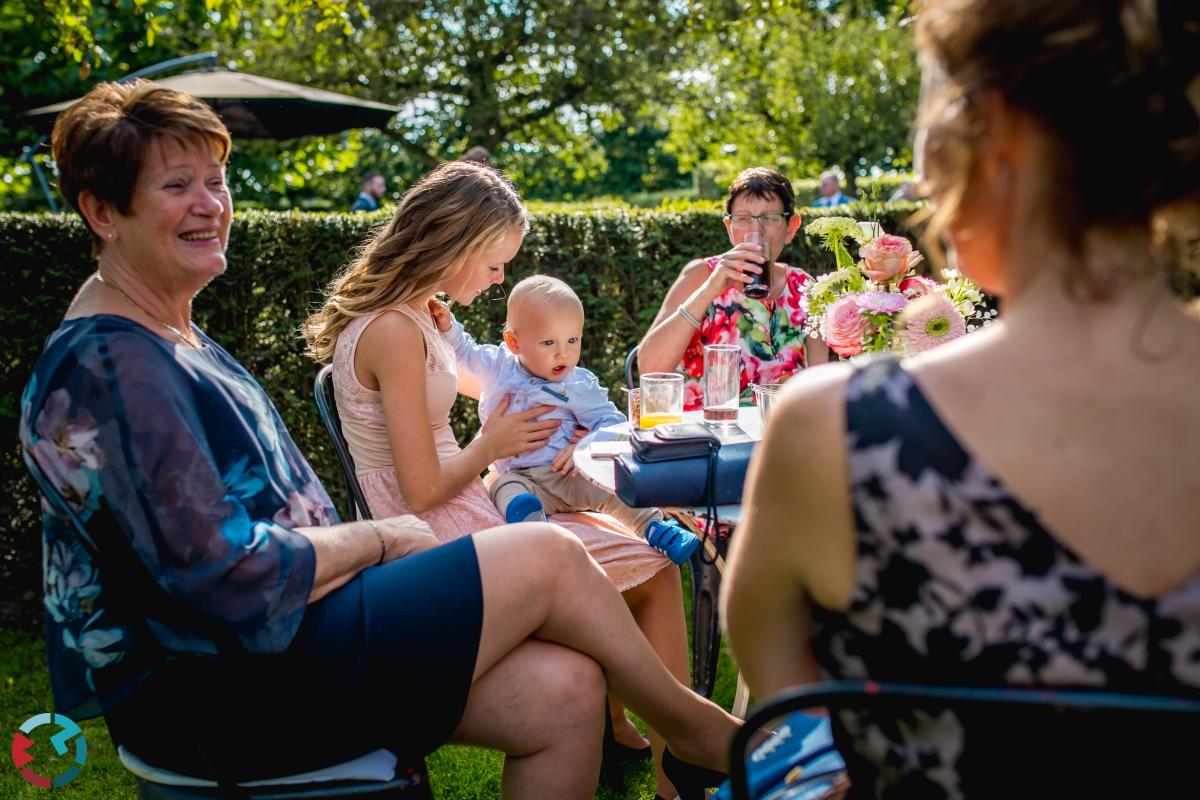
929,321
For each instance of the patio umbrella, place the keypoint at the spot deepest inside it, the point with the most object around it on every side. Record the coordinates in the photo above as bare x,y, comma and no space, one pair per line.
253,107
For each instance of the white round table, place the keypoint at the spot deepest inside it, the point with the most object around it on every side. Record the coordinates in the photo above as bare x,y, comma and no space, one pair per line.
600,471
706,573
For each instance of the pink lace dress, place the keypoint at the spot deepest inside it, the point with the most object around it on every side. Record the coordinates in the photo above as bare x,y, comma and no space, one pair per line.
626,558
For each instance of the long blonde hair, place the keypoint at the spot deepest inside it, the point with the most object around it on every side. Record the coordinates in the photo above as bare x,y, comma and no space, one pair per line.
454,212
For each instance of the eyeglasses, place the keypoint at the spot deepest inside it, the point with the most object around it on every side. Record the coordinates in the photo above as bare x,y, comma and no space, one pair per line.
766,220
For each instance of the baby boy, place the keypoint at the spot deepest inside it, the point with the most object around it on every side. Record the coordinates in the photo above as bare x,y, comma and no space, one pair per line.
537,365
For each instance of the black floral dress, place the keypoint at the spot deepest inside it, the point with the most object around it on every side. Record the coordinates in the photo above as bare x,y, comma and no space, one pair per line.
956,582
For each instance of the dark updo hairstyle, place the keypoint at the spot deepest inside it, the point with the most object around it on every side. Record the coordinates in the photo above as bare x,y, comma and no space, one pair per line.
762,183
1114,84
100,142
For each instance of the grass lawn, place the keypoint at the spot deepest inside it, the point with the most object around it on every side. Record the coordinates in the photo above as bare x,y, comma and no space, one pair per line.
457,773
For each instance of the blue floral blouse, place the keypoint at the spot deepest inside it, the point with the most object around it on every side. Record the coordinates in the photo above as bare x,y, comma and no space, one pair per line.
174,458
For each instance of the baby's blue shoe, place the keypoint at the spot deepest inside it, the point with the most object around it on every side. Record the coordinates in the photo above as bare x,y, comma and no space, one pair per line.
677,543
525,507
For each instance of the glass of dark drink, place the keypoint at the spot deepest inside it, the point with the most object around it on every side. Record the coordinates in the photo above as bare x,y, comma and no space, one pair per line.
760,286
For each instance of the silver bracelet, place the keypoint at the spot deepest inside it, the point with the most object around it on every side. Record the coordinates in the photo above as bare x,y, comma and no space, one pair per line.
683,312
382,544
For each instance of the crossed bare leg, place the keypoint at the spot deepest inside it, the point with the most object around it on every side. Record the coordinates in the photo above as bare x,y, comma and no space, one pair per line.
556,636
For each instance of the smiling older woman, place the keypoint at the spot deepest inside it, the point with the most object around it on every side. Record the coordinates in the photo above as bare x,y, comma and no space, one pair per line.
225,596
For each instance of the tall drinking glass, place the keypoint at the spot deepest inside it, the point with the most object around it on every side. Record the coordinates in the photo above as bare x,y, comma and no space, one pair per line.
760,284
722,383
661,398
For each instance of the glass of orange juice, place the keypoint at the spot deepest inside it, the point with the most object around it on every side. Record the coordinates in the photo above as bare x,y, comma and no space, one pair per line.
661,398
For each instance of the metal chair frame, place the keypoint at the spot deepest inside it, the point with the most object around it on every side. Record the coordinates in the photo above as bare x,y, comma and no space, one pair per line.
873,695
327,409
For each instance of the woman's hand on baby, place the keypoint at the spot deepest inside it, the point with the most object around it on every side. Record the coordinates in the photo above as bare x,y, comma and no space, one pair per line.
441,314
405,535
520,432
563,460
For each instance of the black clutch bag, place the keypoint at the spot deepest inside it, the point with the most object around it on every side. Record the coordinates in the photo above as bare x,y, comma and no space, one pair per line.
673,441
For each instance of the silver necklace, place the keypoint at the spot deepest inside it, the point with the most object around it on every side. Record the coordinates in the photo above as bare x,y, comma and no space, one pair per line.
189,338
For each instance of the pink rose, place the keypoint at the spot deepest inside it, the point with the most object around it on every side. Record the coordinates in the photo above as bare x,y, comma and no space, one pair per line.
915,286
844,326
887,257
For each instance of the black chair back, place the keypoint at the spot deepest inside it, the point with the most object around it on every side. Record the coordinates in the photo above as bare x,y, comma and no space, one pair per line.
630,364
327,408
1017,742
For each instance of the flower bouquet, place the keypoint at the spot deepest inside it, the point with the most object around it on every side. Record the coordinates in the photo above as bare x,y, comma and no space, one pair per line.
879,303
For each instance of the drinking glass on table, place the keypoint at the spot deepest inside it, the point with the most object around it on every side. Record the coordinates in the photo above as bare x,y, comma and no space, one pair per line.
633,398
661,398
722,383
764,394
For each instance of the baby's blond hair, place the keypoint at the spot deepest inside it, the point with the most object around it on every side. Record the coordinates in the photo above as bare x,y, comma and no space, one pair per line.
544,290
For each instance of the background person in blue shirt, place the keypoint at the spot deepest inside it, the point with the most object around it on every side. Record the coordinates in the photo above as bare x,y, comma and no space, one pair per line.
831,192
373,189
538,366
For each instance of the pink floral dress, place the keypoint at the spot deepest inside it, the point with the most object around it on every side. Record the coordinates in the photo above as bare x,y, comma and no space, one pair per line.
771,334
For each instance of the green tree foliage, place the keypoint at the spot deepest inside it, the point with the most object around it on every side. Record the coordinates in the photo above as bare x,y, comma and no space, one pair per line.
543,85
801,85
573,100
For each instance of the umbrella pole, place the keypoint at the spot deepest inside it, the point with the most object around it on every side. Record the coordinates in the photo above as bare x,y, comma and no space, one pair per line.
29,154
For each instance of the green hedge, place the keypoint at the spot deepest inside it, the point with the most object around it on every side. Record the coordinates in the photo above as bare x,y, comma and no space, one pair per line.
620,262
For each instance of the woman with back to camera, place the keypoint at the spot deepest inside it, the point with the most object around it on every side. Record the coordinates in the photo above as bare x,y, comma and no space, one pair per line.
1019,506
229,622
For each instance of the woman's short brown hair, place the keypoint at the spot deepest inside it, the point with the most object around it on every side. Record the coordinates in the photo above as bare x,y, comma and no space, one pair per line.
762,183
99,143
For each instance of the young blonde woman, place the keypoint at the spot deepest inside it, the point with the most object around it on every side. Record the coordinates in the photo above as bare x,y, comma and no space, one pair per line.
395,380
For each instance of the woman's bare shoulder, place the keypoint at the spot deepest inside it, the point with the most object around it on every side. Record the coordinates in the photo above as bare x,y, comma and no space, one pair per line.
389,334
808,418
695,270
391,329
